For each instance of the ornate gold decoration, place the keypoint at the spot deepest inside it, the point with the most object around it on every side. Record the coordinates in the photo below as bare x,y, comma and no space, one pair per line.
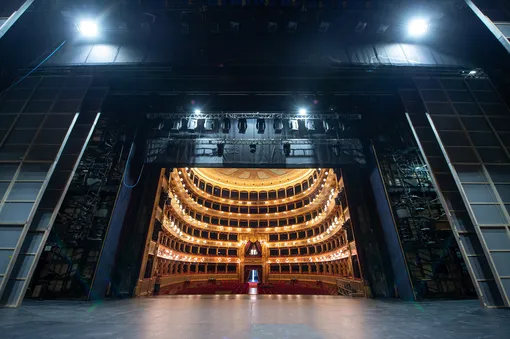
253,179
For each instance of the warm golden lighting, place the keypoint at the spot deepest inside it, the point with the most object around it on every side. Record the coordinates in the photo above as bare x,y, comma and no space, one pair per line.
283,220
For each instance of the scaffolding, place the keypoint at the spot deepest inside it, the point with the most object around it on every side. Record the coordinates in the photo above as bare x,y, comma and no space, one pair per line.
68,264
433,258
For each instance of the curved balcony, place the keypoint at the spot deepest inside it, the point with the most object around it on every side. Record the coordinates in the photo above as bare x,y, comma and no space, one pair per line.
336,254
280,194
242,226
184,192
187,251
337,268
203,215
223,207
181,229
324,246
206,238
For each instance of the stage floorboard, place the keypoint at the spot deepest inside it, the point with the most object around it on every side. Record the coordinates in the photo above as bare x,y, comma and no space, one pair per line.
254,317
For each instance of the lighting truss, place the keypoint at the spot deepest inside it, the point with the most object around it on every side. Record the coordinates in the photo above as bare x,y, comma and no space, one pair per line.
351,148
253,115
188,141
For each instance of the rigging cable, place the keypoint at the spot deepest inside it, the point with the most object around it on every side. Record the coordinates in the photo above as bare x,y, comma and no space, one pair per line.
35,68
129,164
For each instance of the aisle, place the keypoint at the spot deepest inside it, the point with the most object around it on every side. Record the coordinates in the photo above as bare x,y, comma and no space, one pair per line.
253,288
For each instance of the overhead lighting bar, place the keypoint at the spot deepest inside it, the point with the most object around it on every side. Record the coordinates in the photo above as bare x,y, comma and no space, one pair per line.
354,143
252,115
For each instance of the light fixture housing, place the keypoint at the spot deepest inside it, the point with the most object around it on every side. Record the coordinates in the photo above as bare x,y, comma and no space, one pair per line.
286,149
302,111
417,27
198,111
88,28
220,148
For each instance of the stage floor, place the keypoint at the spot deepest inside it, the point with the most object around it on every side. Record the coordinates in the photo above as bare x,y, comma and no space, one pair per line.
254,317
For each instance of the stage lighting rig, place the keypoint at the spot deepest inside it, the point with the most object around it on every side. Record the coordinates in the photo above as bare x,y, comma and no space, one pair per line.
209,125
327,126
242,125
176,125
225,125
310,125
278,126
192,124
220,148
336,150
261,126
293,125
158,125
286,149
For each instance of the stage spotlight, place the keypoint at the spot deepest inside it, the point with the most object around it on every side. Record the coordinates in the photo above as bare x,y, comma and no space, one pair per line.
327,126
417,27
88,28
220,149
286,149
209,125
158,125
278,126
302,111
242,125
293,125
310,125
253,148
225,125
176,125
336,150
197,111
261,126
192,124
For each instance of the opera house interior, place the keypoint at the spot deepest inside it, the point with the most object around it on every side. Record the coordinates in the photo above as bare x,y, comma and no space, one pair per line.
221,229
254,169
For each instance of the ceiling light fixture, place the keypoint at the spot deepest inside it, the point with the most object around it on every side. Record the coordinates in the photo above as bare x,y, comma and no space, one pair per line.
417,27
88,28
